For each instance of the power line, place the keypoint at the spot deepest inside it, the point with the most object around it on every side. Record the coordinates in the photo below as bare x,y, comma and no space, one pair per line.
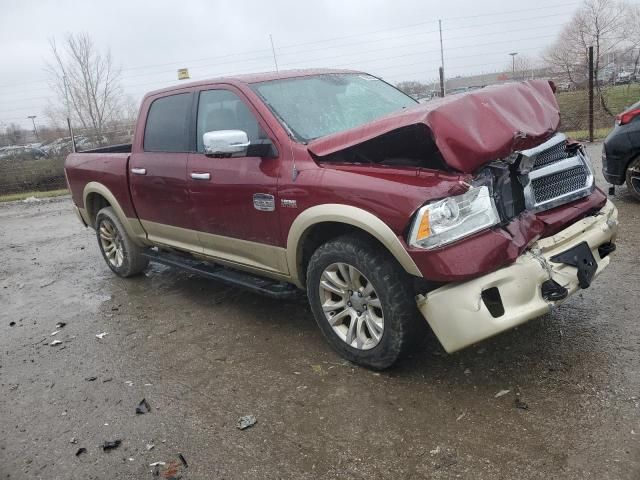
352,36
235,61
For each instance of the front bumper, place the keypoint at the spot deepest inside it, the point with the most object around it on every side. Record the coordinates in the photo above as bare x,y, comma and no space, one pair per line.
458,314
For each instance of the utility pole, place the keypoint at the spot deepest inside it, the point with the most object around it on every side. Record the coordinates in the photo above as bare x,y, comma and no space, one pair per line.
35,130
441,61
591,94
513,64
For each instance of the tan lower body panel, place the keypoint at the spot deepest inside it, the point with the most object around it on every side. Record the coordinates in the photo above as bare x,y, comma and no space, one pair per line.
252,256
458,315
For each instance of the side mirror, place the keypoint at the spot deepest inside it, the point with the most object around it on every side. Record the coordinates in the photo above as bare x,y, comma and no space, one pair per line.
226,143
235,143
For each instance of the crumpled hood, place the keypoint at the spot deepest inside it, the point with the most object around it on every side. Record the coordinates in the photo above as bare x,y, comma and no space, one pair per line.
469,129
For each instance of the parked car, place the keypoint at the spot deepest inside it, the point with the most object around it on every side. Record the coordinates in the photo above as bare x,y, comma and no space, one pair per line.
621,151
385,211
624,78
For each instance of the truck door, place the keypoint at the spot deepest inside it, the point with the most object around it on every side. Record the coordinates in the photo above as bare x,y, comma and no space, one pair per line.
158,173
234,200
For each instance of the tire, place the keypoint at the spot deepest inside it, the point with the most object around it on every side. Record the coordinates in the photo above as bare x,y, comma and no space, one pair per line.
121,254
356,335
633,178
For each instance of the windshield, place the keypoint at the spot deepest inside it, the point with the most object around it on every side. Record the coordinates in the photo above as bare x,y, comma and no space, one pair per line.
320,105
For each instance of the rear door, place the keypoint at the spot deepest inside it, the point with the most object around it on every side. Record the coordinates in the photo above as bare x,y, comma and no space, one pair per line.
158,173
234,199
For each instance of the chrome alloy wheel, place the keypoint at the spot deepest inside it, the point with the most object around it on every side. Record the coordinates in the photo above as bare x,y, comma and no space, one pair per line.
351,306
634,178
111,243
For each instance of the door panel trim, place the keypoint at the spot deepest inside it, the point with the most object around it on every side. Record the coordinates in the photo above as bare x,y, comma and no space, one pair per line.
251,255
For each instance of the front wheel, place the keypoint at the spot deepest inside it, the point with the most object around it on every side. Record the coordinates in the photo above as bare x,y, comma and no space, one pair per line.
122,255
363,301
633,178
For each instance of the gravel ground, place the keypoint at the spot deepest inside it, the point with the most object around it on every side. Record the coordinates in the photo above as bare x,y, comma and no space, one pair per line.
203,355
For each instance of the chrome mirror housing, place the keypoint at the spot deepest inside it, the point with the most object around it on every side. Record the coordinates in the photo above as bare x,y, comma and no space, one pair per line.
226,143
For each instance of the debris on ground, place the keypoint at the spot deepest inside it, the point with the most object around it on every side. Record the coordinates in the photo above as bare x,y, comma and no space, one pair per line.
110,444
435,451
172,469
12,324
519,403
55,342
246,422
461,416
91,379
101,335
80,451
60,325
107,380
157,464
501,393
143,407
129,383
73,440
55,333
150,446
183,460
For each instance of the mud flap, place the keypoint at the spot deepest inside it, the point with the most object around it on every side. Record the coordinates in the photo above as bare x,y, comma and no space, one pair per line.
580,257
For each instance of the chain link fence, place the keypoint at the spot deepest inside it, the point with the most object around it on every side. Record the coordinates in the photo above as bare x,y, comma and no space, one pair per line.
39,166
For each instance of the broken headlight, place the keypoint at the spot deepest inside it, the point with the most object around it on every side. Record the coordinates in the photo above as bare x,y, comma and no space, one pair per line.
453,218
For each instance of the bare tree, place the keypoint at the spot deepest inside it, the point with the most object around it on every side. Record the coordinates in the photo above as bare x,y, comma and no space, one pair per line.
85,78
14,134
602,24
414,89
522,67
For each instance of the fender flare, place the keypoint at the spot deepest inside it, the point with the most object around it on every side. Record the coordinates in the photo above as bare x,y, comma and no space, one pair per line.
132,225
349,215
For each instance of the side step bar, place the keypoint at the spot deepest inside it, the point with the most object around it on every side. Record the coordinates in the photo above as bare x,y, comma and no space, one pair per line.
264,286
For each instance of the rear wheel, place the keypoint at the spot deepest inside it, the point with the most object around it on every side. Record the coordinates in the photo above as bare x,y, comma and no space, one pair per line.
363,301
122,255
633,178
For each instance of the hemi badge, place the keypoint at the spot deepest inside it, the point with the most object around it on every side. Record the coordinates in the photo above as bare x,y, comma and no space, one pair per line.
288,203
264,202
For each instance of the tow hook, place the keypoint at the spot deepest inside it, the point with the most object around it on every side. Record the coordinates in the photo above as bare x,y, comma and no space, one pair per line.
552,291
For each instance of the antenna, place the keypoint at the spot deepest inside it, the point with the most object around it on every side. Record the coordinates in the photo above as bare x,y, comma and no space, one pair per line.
273,49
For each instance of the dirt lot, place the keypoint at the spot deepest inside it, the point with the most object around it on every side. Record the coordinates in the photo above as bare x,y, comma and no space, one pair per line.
203,355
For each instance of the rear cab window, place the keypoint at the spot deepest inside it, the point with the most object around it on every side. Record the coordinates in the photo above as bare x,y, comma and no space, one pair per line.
166,129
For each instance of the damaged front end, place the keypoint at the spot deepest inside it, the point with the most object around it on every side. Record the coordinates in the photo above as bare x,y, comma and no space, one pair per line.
464,313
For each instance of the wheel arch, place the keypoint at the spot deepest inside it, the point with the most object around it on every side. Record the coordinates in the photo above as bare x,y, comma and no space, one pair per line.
97,196
317,224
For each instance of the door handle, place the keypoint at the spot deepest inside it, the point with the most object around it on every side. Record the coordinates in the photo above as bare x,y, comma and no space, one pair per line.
139,171
201,176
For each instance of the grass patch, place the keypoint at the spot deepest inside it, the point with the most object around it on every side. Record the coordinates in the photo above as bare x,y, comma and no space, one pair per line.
21,196
574,107
598,134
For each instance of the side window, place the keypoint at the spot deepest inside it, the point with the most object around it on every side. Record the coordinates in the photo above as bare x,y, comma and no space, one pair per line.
166,128
224,110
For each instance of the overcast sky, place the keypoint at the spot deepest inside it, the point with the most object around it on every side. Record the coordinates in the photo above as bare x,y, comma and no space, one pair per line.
395,39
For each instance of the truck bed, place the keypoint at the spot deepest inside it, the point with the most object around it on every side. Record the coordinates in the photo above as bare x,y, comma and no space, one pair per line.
120,148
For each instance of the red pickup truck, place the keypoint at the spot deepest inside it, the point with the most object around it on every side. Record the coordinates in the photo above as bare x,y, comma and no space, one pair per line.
470,212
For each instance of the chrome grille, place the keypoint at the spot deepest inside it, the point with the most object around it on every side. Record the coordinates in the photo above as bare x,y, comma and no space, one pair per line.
553,176
551,155
557,184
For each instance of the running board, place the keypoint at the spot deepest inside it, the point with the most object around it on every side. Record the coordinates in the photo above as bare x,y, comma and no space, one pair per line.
264,286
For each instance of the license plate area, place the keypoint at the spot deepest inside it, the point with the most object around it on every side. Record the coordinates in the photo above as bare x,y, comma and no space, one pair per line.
580,257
